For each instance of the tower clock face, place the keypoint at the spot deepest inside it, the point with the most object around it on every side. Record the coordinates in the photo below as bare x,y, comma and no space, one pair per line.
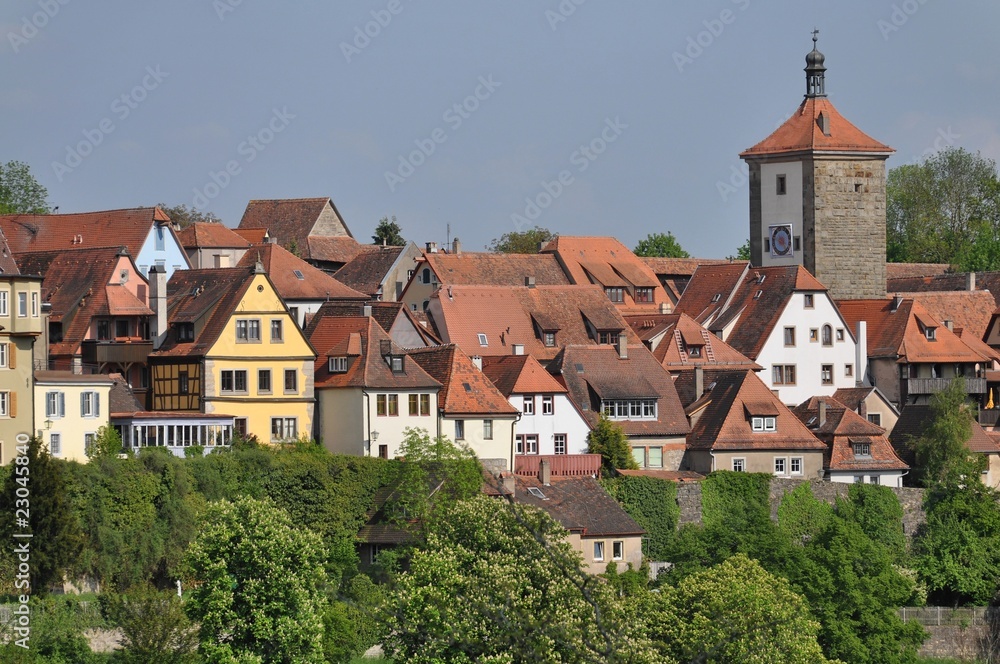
781,241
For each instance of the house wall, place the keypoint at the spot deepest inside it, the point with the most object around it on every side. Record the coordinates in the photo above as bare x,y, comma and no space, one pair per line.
340,420
565,419
632,551
391,427
992,475
172,254
210,257
885,376
396,279
72,427
809,356
784,209
892,479
672,450
756,461
291,352
496,447
328,224
416,292
19,334
405,335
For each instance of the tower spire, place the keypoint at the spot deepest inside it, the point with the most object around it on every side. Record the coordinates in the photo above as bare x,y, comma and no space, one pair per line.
815,71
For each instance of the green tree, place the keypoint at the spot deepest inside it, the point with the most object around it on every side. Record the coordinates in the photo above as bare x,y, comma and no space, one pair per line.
499,582
107,443
20,192
521,242
609,440
434,474
259,585
942,452
388,233
742,252
945,209
182,216
56,538
153,624
734,612
660,244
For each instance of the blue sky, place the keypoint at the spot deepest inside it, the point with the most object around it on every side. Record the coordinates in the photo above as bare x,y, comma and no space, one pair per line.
584,116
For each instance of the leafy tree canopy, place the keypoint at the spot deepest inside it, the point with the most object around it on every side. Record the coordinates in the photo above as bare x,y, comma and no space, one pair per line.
183,216
664,245
521,242
388,233
609,440
742,252
943,454
20,192
945,209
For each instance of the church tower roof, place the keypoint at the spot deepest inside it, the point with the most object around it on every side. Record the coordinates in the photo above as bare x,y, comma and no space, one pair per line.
816,126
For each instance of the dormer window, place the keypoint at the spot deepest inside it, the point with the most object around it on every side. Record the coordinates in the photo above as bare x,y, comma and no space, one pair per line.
549,339
396,363
930,333
615,294
643,294
694,351
862,449
185,331
716,297
608,338
763,424
338,364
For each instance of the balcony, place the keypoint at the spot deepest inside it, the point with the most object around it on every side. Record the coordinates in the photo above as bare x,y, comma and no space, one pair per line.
935,385
124,352
562,465
989,418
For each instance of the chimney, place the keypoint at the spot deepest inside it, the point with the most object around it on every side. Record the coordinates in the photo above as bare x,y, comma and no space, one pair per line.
456,246
970,281
366,311
545,472
529,282
863,409
432,247
950,324
861,355
664,307
822,412
896,301
699,382
508,480
517,349
477,361
622,346
158,303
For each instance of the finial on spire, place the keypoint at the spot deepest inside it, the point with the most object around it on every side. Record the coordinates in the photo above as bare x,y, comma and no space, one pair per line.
815,36
815,71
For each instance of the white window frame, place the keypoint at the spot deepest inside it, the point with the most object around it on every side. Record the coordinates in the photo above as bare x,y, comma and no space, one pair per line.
618,550
4,403
338,365
548,404
559,443
55,444
739,464
4,355
599,552
795,465
528,404
55,404
459,429
22,304
285,426
34,304
90,404
780,465
4,302
483,340
487,429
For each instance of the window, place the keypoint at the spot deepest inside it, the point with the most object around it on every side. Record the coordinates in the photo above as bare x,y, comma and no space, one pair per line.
55,444
826,374
414,401
234,381
5,404
55,404
4,355
426,274
103,330
618,550
247,330
526,444
383,451
559,443
598,551
425,404
529,404
607,338
459,429
796,464
291,381
739,465
862,449
780,181
34,305
807,300
547,405
931,332
294,313
875,418
859,479
840,334
88,442
643,294
263,381
22,305
276,331
654,457
789,336
380,405
4,297
848,370
182,382
487,429
483,341
185,331
813,334
827,335
874,479
759,424
90,404
779,465
338,364
396,364
629,409
615,294
240,427
694,351
284,428
121,328
549,338
783,374
159,238
393,403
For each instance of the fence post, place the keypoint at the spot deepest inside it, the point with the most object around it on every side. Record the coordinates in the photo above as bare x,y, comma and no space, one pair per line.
939,616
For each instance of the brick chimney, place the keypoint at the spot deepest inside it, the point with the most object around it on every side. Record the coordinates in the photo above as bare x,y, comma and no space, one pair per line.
622,346
456,246
508,480
529,282
545,472
158,303
822,412
970,281
699,382
861,354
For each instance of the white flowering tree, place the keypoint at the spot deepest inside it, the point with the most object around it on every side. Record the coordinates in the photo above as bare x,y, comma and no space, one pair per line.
259,586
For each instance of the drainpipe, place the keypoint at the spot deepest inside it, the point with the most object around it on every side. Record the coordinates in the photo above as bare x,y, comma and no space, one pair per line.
368,420
513,428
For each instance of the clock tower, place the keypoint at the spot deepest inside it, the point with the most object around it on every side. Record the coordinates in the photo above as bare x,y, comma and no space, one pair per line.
817,195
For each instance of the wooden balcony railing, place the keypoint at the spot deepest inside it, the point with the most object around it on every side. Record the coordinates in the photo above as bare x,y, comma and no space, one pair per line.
562,465
115,352
935,385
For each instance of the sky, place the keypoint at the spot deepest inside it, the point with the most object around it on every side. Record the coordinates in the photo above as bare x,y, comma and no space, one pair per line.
585,117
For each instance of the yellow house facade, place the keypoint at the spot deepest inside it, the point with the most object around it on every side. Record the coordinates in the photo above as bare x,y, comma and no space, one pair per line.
69,410
21,324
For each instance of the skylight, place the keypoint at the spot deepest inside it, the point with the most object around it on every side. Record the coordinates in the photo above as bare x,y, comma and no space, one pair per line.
299,275
536,492
482,339
468,388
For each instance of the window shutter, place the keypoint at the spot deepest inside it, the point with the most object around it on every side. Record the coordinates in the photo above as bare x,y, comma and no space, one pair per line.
83,403
11,356
62,405
97,404
13,404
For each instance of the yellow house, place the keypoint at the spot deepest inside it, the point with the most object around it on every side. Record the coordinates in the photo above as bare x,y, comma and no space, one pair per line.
69,409
21,324
229,345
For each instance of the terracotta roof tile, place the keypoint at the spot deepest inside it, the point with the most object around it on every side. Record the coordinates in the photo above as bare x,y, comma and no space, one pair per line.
253,235
723,425
579,504
85,230
802,132
678,267
210,235
844,428
969,310
675,353
913,422
281,267
368,269
337,249
904,270
123,401
293,221
520,374
492,269
465,390
121,302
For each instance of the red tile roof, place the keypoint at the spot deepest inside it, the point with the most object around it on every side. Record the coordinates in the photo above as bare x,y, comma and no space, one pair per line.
281,266
596,373
465,390
969,310
205,235
913,422
903,270
724,424
492,269
336,249
579,504
520,374
369,268
842,429
292,221
121,302
803,132
677,333
678,267
85,230
253,235
8,265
